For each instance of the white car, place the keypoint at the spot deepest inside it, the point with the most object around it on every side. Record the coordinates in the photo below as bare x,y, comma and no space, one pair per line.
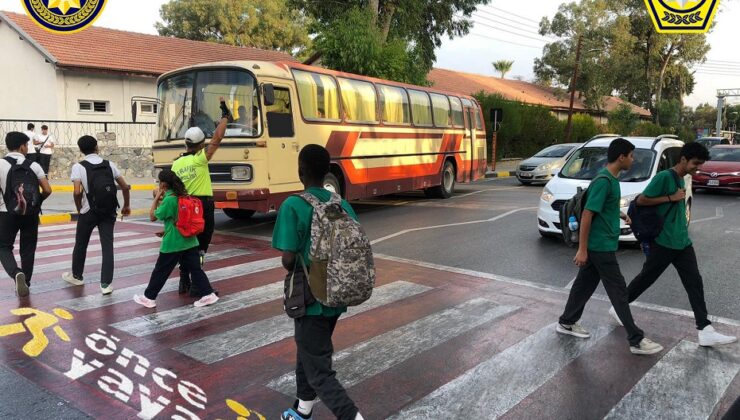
652,155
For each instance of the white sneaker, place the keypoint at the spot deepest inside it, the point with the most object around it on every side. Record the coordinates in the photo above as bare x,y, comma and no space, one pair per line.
206,300
144,301
106,290
20,284
614,315
646,346
576,330
708,337
71,279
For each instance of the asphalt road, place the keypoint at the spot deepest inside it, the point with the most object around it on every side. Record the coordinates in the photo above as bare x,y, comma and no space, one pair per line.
490,226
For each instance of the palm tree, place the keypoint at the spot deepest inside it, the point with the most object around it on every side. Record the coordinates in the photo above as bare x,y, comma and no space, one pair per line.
503,67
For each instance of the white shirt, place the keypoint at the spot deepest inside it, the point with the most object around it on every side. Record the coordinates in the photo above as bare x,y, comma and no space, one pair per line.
31,137
80,174
49,139
5,168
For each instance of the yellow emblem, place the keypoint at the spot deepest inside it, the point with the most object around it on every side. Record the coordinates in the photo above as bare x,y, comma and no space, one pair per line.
64,16
682,16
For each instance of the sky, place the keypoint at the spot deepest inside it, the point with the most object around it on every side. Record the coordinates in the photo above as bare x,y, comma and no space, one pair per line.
503,30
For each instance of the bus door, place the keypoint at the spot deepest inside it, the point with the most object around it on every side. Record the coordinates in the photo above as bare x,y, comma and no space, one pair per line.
282,144
470,144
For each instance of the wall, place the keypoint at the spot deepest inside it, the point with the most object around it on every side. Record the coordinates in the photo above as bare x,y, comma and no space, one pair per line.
27,81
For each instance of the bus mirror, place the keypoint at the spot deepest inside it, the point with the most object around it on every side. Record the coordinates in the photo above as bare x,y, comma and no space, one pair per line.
268,91
133,111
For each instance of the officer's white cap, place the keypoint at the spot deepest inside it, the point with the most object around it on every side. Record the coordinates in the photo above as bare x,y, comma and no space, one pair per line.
194,135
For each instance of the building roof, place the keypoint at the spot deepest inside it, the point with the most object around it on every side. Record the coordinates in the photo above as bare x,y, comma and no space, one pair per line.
112,50
516,90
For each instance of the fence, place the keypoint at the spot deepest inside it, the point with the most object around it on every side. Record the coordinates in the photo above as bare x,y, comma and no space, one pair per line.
66,133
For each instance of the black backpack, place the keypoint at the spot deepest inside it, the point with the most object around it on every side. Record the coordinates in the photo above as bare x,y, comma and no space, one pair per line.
647,223
21,192
102,194
574,207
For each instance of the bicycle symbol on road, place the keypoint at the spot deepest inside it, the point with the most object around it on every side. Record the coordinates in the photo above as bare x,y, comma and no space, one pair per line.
36,324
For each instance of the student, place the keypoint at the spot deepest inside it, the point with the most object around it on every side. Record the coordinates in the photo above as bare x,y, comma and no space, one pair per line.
97,210
33,138
45,148
673,246
175,247
597,246
292,234
13,220
192,168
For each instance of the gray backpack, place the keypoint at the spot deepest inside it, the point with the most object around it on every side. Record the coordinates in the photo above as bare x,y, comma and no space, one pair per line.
342,271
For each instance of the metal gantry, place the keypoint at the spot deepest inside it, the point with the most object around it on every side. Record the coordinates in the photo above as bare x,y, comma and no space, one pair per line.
721,95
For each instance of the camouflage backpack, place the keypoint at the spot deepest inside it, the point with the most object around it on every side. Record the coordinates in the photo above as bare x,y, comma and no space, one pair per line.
342,271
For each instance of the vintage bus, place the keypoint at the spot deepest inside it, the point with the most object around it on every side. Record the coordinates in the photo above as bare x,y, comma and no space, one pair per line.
384,137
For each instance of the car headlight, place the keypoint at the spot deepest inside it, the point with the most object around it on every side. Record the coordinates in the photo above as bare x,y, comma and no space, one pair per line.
547,196
626,200
735,173
241,173
544,167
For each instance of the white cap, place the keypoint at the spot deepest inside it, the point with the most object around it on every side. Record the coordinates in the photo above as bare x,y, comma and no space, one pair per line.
194,135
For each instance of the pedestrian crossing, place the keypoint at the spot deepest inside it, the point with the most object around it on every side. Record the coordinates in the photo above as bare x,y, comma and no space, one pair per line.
428,344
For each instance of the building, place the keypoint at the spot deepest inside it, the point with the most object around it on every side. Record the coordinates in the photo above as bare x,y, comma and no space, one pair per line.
93,74
529,93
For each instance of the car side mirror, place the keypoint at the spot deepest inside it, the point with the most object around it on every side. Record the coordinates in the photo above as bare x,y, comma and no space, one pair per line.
268,92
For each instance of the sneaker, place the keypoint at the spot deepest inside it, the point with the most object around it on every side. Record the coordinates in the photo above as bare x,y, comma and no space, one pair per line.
614,315
144,301
71,279
206,300
21,287
292,414
106,289
576,330
708,337
646,346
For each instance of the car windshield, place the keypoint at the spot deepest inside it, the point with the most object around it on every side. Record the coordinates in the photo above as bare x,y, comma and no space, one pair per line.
193,99
556,151
725,154
587,162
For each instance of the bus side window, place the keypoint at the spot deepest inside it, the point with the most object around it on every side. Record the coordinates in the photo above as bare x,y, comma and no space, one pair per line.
279,115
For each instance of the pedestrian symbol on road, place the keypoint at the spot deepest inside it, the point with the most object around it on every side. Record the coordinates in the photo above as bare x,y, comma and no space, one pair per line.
243,412
36,324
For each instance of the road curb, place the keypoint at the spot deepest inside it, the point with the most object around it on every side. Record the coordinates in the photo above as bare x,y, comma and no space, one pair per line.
58,218
70,188
500,174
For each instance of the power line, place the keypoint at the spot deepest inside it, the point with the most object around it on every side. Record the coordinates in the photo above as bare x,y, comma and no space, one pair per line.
519,22
511,26
512,33
505,41
512,14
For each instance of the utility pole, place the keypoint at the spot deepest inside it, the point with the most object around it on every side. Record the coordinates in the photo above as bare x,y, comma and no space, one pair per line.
569,126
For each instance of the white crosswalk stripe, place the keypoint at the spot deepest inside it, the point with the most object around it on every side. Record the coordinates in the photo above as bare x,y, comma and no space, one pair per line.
217,347
91,261
93,238
96,247
57,228
694,377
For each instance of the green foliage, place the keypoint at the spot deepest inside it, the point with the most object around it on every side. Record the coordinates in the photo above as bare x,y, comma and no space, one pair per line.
354,44
669,113
267,24
583,127
622,120
648,129
503,67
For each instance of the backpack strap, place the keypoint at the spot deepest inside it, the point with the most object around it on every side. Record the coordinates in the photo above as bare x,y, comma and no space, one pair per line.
12,162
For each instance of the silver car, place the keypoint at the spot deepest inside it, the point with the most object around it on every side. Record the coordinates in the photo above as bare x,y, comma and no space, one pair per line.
540,167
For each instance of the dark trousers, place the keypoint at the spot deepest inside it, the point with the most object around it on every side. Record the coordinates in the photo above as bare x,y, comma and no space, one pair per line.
603,266
86,223
204,239
688,270
167,262
33,157
44,161
10,225
314,375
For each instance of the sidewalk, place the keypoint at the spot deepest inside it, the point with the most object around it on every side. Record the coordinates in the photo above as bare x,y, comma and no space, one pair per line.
60,206
504,168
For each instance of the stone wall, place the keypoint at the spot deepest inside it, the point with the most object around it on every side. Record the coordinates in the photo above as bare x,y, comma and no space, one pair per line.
135,163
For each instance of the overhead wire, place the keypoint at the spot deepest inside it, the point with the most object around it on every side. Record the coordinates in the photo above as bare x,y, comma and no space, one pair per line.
504,41
510,32
514,27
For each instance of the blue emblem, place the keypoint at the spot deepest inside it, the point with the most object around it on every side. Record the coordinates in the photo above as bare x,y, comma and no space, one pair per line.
64,16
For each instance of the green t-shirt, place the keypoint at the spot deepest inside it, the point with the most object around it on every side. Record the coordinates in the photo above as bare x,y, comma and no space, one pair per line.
603,199
172,241
193,171
292,233
675,233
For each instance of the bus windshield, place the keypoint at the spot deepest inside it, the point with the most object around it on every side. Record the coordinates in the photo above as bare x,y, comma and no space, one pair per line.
193,99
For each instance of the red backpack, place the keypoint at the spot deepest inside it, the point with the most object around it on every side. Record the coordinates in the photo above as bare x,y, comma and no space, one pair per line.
190,220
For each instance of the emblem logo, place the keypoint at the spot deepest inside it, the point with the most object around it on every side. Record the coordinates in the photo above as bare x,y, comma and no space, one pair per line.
682,16
64,16
715,174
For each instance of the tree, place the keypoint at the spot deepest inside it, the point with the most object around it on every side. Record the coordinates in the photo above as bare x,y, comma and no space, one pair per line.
415,26
622,120
503,67
267,24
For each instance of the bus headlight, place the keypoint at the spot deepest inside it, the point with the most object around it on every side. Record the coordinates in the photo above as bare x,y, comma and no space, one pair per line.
241,173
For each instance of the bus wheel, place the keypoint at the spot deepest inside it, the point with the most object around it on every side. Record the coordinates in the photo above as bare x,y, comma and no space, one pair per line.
446,187
331,183
239,214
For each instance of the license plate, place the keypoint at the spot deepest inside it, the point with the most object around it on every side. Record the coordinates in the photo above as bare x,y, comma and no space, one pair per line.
713,183
525,175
